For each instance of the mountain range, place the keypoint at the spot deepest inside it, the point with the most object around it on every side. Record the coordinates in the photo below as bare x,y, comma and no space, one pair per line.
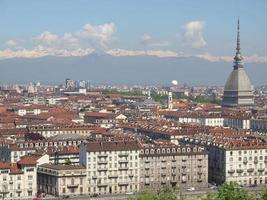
127,70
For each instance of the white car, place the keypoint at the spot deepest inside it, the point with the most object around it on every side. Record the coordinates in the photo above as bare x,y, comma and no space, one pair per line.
191,189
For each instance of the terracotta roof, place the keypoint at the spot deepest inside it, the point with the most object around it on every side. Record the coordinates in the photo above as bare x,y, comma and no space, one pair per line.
113,146
27,160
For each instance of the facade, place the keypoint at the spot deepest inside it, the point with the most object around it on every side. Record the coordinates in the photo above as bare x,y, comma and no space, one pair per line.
238,91
173,166
259,125
243,123
60,180
112,167
237,158
13,152
18,180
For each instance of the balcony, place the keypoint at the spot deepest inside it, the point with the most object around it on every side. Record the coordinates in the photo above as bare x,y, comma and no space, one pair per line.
102,155
245,162
183,160
199,159
261,170
199,166
173,167
123,154
102,162
102,169
72,185
173,160
199,180
163,174
5,191
199,173
173,181
183,167
123,183
123,161
163,182
239,171
147,167
123,168
113,176
10,182
147,161
19,190
250,170
231,171
256,161
163,161
163,167
101,184
147,183
94,177
131,175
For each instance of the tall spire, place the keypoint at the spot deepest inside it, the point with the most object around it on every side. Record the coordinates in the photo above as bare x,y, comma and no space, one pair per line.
238,57
238,37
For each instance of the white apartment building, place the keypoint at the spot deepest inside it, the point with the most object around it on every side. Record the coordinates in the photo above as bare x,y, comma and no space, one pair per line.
112,166
239,158
18,180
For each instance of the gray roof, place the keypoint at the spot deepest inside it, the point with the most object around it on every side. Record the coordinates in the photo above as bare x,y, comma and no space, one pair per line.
238,81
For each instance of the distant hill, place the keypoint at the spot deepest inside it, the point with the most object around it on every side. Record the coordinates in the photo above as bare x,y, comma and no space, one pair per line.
123,70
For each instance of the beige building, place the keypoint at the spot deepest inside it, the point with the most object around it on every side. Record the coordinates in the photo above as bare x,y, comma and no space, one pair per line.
173,166
60,180
238,158
112,166
18,180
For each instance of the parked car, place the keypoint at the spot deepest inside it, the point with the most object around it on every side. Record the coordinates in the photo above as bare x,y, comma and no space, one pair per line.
191,189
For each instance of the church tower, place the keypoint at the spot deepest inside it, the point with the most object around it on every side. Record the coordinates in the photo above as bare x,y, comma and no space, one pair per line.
170,101
238,91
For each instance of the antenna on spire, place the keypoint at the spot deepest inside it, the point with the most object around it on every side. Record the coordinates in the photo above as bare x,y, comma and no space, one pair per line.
238,58
238,37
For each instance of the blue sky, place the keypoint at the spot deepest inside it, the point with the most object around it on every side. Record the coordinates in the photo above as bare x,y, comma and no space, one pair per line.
136,25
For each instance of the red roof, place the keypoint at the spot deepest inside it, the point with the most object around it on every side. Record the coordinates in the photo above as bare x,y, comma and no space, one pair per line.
27,160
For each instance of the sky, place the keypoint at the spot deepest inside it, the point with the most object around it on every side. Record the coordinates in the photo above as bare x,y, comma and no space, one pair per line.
163,28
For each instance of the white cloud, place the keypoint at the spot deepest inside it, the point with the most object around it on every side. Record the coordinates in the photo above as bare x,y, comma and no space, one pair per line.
125,52
47,38
247,59
41,51
11,43
98,36
193,34
147,39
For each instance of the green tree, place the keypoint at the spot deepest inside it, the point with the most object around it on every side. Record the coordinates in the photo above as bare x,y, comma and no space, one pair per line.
209,197
232,191
164,194
264,195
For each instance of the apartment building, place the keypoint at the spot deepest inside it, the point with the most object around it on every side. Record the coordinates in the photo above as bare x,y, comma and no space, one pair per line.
112,166
173,166
239,158
18,180
61,180
12,152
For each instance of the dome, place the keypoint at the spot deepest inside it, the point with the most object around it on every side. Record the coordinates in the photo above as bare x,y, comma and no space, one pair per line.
238,81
